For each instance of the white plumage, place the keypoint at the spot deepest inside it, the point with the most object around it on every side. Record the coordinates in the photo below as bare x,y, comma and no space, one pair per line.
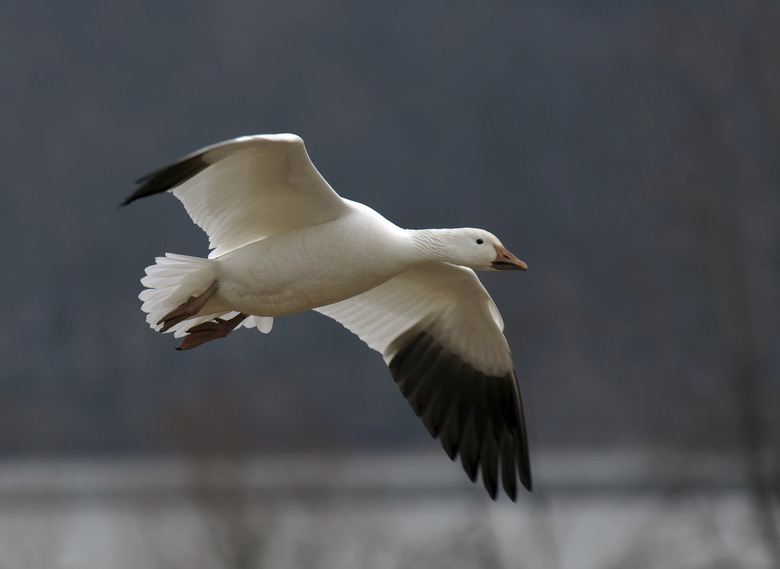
283,242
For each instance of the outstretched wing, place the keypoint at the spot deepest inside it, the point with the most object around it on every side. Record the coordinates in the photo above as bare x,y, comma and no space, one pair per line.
441,336
246,189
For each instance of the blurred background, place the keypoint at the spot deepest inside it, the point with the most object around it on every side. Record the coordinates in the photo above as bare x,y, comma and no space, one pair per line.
629,152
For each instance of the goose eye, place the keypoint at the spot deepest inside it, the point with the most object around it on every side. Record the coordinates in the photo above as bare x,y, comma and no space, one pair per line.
479,242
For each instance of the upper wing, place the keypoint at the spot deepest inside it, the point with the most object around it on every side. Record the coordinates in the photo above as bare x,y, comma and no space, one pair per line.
441,336
248,188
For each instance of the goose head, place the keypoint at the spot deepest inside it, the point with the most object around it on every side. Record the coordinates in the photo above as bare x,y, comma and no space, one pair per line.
474,248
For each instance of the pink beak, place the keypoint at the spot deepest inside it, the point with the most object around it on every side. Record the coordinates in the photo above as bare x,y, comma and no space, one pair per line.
505,261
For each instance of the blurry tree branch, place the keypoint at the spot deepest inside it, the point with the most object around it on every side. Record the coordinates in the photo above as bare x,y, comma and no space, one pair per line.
728,58
219,485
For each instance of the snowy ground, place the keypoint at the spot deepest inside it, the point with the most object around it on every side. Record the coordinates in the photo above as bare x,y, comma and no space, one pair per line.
590,511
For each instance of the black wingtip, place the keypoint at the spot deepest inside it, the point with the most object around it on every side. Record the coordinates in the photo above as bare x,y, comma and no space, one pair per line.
476,416
525,479
491,485
167,178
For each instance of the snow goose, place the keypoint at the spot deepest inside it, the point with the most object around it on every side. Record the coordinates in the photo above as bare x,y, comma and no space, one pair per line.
283,242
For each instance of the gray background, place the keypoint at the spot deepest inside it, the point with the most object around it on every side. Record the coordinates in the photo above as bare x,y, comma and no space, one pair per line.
627,151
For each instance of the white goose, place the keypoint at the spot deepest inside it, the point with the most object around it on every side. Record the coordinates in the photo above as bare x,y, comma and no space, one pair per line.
283,242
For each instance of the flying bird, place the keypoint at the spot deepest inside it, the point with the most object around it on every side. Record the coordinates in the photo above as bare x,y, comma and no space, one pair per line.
283,241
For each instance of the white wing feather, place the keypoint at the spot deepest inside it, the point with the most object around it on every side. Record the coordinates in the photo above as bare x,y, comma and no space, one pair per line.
448,300
255,187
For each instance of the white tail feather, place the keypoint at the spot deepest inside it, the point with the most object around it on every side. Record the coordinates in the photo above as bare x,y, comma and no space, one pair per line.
172,280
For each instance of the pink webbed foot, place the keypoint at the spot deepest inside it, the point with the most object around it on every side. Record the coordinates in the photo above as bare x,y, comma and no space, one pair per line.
188,308
207,331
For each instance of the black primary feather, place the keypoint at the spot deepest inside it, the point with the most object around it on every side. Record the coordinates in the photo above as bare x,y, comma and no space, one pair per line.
473,414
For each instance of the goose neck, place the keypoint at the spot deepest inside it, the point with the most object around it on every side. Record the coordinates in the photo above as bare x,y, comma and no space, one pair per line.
431,243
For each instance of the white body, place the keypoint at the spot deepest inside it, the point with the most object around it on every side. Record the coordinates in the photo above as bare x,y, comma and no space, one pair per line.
286,274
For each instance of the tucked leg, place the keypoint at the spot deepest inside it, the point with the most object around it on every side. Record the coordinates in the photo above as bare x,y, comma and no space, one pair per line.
188,308
208,331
